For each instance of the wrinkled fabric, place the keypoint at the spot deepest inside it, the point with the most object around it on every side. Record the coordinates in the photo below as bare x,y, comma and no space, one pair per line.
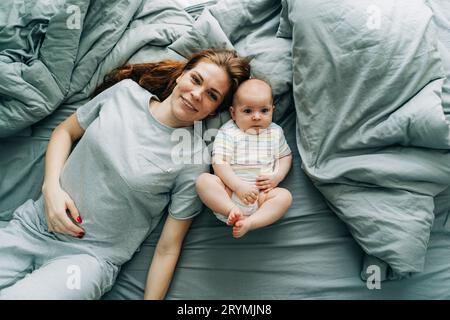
372,130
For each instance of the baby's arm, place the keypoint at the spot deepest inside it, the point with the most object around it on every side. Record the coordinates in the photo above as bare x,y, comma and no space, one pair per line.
226,174
282,169
268,182
282,164
246,192
222,154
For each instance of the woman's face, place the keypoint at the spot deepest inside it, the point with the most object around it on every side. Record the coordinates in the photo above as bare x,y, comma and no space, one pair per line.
199,92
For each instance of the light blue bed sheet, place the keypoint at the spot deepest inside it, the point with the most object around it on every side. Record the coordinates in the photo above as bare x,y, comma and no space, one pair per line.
308,254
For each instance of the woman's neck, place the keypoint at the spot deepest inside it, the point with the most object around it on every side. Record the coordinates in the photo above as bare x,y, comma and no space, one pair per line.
162,112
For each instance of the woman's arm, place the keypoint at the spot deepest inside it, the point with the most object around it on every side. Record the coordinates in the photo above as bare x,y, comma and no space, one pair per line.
165,258
59,148
56,200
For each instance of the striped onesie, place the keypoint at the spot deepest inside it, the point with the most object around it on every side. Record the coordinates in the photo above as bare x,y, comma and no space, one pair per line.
249,155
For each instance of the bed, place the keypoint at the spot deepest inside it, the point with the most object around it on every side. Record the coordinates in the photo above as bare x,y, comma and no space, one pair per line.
366,116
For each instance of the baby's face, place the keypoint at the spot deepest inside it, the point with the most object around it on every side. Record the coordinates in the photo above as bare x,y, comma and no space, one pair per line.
253,112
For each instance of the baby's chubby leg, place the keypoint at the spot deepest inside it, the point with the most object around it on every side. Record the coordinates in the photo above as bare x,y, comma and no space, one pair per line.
217,196
272,206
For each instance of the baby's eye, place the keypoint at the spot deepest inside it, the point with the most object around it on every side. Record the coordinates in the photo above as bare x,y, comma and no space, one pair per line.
265,110
247,111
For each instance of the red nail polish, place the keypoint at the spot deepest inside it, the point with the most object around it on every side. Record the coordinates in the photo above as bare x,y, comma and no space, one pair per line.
79,219
80,235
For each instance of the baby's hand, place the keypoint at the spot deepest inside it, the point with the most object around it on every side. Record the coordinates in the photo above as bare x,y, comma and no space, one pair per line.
266,182
247,193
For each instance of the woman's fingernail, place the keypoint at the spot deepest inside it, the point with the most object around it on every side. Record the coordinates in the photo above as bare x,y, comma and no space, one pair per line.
79,219
80,235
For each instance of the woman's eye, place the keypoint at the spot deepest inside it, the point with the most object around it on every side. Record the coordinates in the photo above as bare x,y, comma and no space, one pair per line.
213,96
195,80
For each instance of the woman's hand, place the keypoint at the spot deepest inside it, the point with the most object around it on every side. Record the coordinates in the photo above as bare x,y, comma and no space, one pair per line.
59,207
247,193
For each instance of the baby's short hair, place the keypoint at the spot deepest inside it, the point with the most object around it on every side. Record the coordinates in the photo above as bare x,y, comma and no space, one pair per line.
252,81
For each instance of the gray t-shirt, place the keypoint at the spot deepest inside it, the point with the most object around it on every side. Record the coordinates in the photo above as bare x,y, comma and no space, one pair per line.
122,174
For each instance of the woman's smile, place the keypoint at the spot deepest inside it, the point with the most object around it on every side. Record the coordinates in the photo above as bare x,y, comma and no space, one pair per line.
187,105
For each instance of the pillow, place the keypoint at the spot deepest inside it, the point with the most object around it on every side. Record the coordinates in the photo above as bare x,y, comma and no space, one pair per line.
195,10
285,27
238,19
249,27
441,9
372,131
205,33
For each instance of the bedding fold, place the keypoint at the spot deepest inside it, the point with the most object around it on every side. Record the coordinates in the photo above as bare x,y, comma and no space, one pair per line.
372,130
37,55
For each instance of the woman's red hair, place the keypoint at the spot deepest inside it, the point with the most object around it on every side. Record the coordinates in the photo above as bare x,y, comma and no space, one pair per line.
160,77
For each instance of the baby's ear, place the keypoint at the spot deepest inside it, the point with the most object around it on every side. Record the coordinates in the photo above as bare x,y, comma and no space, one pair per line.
232,111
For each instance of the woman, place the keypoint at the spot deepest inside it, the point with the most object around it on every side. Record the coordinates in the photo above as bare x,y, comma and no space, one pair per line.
100,203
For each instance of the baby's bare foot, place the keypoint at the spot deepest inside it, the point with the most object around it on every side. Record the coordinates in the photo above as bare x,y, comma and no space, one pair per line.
234,216
241,227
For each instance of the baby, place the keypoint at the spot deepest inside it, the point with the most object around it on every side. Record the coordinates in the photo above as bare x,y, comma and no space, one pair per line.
250,158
